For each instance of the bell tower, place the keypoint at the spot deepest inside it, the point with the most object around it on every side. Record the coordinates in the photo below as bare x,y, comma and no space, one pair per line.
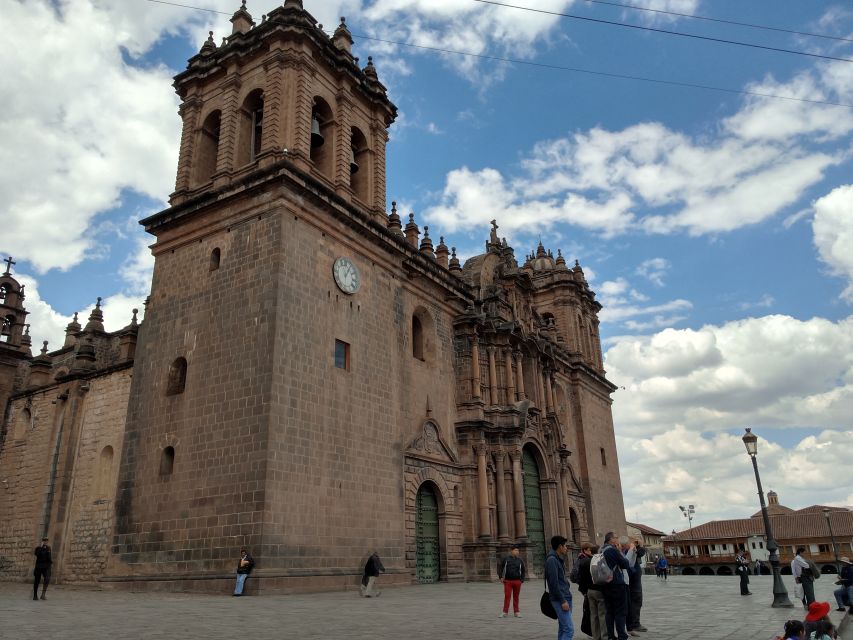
14,333
282,89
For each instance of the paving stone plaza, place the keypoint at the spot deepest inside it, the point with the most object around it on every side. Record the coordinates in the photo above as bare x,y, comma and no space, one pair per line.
708,607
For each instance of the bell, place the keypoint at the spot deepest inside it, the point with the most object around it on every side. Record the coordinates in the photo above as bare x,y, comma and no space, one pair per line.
353,165
317,139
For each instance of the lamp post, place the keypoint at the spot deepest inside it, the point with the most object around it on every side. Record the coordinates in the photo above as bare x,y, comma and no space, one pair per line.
780,593
826,513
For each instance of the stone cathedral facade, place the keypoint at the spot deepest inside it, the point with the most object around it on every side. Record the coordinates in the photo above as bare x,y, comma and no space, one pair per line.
314,378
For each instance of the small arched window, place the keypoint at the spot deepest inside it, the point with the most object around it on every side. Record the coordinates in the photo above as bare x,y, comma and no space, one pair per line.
6,328
208,148
167,461
251,127
4,291
177,377
417,338
214,259
105,473
322,137
359,165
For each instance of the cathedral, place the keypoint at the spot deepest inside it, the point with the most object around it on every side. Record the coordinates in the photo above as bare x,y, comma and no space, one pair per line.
314,378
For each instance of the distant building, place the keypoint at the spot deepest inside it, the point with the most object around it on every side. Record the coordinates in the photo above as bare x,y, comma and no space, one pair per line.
651,538
710,548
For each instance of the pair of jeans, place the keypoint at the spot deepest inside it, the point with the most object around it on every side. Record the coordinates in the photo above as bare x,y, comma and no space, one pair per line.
511,588
241,581
565,626
841,593
616,610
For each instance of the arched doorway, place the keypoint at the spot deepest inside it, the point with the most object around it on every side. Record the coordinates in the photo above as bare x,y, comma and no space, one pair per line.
725,571
533,509
706,571
688,571
427,547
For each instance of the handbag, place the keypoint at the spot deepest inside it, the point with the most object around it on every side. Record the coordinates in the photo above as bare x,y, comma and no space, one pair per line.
545,604
586,623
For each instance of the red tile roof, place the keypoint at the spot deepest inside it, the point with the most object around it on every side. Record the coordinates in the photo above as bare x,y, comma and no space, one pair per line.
794,526
646,529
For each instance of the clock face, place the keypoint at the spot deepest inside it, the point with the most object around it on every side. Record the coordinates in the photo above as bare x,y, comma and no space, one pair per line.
346,275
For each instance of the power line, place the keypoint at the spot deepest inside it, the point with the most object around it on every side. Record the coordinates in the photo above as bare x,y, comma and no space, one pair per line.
692,16
626,25
555,67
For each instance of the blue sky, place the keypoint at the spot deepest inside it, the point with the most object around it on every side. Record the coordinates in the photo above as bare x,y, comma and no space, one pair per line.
716,227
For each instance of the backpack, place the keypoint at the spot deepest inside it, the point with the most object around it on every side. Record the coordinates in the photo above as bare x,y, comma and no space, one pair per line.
573,574
599,569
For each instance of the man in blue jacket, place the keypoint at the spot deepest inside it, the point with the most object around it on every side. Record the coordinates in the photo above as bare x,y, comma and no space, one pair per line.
616,591
558,588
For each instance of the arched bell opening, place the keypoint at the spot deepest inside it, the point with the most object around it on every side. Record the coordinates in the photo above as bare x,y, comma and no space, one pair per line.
322,137
207,148
359,165
250,133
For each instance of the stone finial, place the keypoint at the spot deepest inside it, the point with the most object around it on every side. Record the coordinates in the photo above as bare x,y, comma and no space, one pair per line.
412,231
96,318
26,340
493,234
577,266
342,37
370,70
394,224
454,261
540,251
44,348
295,4
561,261
441,252
426,244
241,20
209,45
133,320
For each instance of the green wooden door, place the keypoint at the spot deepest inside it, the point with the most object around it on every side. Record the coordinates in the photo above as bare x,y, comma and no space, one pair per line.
427,561
533,509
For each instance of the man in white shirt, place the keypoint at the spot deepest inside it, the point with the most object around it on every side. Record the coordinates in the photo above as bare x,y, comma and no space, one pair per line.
803,576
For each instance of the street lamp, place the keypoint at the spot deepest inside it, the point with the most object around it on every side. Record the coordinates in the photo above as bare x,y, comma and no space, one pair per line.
826,512
688,512
780,593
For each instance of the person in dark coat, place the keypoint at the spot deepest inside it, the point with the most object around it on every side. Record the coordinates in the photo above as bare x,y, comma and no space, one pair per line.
558,587
742,570
42,569
372,568
616,591
512,572
244,568
593,602
635,589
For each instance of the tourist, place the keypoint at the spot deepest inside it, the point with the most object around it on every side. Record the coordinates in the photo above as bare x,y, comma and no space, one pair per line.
558,588
824,630
758,568
662,567
845,579
372,568
794,630
512,572
803,576
742,570
635,589
244,568
616,591
593,599
42,569
818,612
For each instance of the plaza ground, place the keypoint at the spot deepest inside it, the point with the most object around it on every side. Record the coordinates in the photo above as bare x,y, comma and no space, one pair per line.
708,607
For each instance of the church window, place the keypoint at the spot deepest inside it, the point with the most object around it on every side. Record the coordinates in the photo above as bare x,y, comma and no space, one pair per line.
603,458
417,338
177,377
322,137
208,148
214,259
342,355
359,169
167,461
251,127
105,473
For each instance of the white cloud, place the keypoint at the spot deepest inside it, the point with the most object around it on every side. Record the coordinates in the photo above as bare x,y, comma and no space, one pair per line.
622,303
654,270
765,302
833,233
774,370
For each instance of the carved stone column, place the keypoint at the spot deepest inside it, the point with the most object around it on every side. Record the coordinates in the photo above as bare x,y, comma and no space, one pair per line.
564,500
189,112
475,369
518,496
493,378
519,375
546,390
228,128
483,491
500,490
510,383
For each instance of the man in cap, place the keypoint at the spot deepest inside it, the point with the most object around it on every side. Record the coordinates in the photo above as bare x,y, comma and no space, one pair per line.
42,569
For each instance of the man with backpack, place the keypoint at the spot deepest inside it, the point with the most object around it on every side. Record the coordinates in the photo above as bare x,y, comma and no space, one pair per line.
615,590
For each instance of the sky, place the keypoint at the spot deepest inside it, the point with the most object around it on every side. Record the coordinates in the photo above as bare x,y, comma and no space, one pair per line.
715,224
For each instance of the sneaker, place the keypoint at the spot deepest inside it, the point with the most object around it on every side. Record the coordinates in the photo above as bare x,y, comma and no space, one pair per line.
503,615
640,628
841,609
43,597
633,633
35,597
518,615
